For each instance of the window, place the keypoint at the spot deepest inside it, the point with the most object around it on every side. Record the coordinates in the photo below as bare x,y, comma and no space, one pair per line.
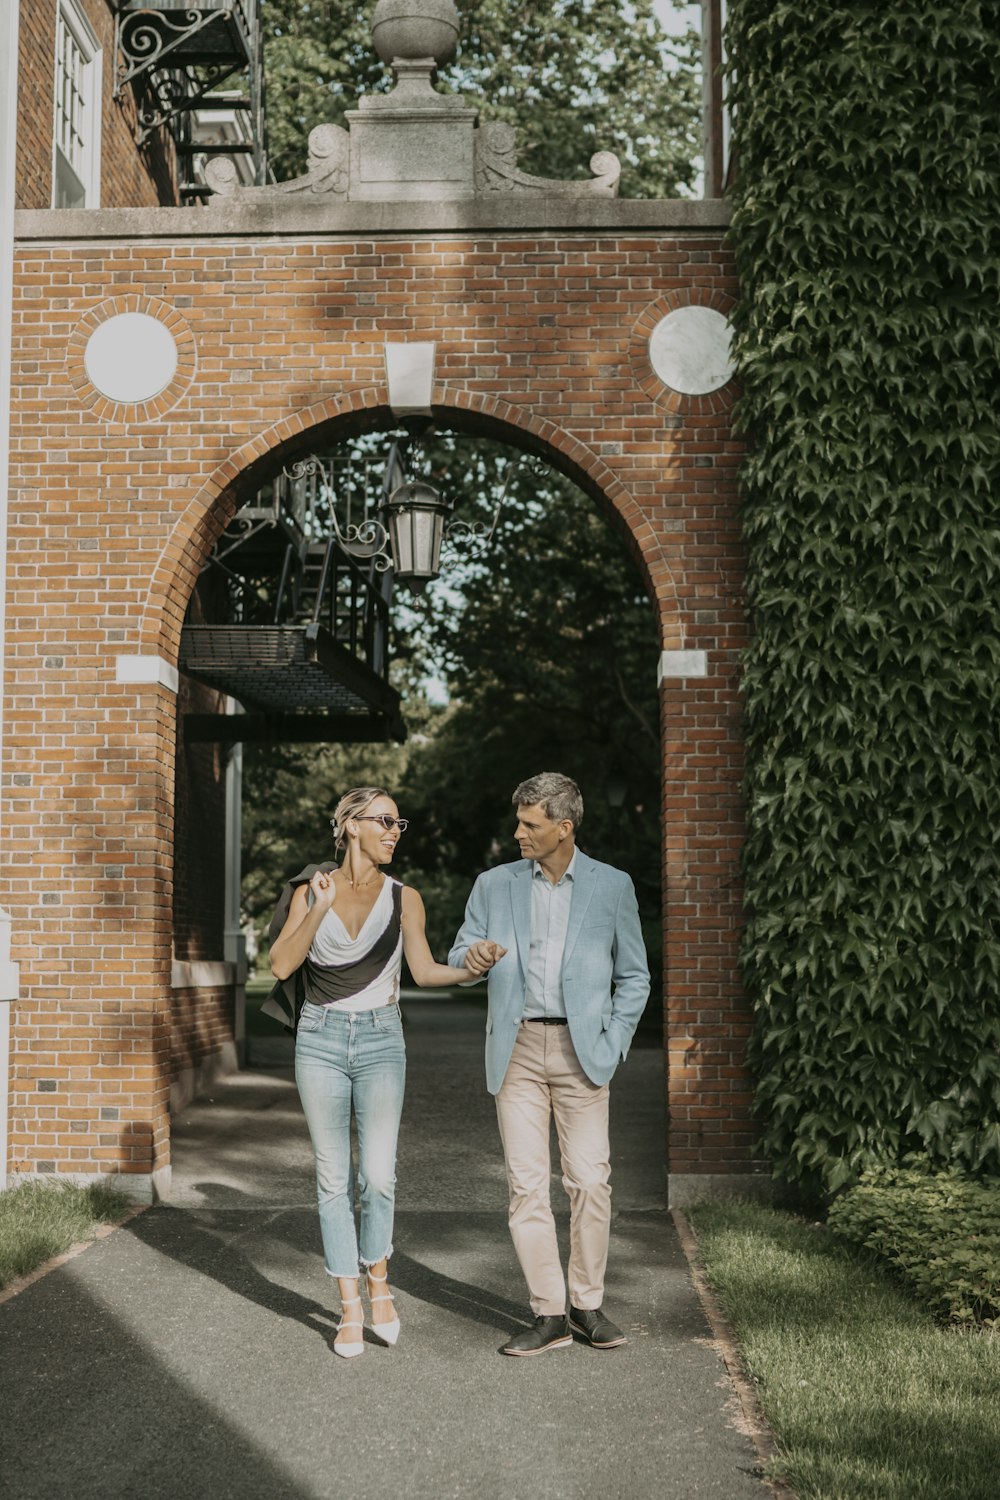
76,162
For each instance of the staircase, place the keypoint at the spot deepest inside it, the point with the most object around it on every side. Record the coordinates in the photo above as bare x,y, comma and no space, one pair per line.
290,625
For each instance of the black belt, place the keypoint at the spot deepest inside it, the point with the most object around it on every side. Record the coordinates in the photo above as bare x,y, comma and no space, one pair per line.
546,1020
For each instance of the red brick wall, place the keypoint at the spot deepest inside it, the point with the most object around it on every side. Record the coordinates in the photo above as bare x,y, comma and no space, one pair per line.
87,1097
541,338
130,176
201,1022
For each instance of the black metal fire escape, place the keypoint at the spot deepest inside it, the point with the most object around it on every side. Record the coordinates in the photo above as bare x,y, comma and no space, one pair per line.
285,621
197,68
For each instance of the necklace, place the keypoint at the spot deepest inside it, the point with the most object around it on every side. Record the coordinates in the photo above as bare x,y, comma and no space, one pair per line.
359,885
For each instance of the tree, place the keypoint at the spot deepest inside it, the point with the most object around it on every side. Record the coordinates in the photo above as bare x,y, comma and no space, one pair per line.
547,642
317,58
578,76
575,76
547,648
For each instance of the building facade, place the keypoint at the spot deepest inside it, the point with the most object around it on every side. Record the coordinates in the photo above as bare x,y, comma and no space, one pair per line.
242,336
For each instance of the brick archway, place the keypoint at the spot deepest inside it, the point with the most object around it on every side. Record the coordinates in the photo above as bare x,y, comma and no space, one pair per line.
703,1061
213,506
540,313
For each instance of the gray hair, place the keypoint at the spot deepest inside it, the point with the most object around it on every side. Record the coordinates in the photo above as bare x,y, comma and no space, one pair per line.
351,805
557,796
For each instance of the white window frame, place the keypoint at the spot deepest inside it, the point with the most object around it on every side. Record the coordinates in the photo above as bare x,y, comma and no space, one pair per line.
81,113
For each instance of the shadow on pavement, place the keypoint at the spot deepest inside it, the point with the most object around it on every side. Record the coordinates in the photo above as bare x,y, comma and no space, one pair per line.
93,1411
211,1248
187,1356
451,1295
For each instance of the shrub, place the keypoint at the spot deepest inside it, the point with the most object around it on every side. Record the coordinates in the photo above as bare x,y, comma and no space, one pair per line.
940,1231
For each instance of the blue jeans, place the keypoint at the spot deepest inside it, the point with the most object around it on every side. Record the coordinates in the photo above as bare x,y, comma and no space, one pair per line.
344,1059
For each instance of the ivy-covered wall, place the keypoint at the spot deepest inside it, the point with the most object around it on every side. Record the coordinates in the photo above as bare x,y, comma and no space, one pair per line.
867,233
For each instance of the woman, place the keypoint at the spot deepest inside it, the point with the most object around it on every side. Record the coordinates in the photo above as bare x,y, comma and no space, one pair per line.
346,931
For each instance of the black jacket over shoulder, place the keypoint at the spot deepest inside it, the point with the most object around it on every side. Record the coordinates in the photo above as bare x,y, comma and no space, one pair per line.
284,1003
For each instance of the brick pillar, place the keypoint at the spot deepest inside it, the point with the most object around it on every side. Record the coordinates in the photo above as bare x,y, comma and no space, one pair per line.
91,873
706,1014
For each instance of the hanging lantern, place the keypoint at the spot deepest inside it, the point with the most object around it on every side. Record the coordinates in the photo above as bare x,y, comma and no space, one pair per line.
414,517
407,532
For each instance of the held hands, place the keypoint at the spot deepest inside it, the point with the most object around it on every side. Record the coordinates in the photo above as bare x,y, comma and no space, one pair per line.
482,955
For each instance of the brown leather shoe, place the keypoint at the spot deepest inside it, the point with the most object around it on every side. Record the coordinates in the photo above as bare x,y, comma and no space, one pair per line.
548,1333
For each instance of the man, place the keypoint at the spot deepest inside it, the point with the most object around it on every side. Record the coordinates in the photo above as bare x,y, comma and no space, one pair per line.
563,1006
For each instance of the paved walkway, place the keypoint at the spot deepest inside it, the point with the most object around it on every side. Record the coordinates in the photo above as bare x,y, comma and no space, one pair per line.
188,1354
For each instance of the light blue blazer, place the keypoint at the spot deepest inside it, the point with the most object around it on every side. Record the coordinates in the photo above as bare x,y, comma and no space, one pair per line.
605,977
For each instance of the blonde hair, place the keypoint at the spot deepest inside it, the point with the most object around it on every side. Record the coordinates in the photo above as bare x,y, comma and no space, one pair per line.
351,805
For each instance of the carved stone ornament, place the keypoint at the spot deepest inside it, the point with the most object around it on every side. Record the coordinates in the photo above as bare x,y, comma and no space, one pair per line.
328,171
413,143
415,28
497,169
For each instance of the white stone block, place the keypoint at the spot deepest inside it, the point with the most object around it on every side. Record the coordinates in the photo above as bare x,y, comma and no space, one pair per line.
414,158
689,350
10,973
147,669
682,664
409,373
131,357
200,973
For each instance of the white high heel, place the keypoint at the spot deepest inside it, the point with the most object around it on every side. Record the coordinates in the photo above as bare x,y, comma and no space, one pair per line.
349,1350
389,1332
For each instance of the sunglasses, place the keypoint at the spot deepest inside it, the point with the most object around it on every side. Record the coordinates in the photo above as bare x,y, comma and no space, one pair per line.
387,821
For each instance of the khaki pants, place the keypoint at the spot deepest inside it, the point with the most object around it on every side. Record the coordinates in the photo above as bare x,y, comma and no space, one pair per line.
545,1079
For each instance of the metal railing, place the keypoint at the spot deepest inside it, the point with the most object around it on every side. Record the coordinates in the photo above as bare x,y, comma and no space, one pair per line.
282,562
182,59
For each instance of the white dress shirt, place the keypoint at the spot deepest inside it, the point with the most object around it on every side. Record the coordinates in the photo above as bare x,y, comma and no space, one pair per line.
550,904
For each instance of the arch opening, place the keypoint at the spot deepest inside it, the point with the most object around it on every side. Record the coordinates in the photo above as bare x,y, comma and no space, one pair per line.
363,413
607,737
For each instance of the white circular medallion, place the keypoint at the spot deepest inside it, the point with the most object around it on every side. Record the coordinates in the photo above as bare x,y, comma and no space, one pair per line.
131,357
689,350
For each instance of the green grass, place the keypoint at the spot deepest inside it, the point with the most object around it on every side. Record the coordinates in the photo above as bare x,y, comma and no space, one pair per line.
868,1397
42,1219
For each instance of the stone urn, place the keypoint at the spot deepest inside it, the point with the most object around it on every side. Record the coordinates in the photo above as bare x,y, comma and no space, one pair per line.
415,28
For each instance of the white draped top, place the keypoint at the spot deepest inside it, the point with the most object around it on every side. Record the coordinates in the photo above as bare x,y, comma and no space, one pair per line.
360,973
